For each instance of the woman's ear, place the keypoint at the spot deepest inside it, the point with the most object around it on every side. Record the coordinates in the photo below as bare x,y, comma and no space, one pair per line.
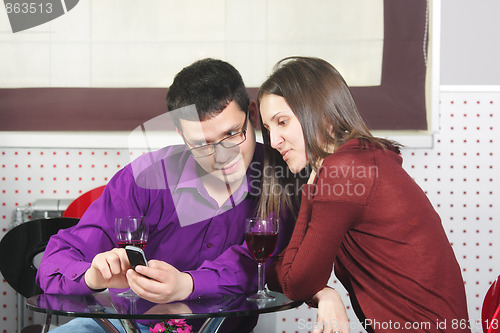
253,113
330,130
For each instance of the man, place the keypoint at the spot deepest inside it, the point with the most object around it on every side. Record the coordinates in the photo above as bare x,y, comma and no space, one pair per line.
195,198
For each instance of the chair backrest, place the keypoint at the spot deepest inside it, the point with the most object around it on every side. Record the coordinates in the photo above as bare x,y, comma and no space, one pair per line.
20,246
490,314
80,204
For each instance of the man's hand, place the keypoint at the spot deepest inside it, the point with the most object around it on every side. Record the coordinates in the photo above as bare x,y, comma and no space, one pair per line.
160,282
108,270
332,316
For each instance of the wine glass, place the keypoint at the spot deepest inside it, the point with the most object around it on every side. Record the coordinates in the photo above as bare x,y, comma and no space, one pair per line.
261,235
131,230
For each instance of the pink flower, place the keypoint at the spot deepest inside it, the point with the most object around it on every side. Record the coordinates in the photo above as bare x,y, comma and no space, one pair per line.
177,322
171,326
187,329
158,328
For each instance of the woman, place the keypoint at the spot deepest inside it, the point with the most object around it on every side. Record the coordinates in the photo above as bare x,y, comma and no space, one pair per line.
360,211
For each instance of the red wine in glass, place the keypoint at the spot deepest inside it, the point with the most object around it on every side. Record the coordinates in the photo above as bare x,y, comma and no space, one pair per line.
261,235
141,244
131,230
261,245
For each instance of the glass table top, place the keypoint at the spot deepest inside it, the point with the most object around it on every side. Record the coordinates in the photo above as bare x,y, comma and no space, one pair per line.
109,305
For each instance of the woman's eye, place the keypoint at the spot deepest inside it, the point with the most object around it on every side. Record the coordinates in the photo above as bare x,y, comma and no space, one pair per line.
282,122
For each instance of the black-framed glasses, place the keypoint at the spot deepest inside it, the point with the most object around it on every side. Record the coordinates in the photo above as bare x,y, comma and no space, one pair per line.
228,142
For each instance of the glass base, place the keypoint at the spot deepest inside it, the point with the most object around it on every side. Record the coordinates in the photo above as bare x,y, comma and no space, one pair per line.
261,295
128,293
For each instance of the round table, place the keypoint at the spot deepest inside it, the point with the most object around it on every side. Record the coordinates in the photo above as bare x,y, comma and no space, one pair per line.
107,305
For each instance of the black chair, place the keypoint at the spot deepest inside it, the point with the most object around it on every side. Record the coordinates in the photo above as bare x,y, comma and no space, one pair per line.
20,246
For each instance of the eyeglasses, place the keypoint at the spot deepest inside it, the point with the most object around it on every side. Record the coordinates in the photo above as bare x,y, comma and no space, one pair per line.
228,142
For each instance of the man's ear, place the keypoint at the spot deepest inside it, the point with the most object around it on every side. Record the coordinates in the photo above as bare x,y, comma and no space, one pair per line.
254,114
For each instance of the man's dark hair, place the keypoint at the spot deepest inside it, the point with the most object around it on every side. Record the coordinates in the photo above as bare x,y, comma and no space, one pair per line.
211,85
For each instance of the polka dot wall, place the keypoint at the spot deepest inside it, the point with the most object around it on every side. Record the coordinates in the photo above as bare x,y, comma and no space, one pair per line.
459,175
30,174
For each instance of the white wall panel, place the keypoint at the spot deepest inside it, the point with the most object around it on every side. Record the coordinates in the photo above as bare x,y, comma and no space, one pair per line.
129,43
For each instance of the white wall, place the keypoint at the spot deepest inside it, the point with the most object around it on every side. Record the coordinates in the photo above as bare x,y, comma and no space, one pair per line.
470,52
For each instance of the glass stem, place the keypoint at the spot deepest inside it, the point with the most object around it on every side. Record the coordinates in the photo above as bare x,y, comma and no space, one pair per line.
261,277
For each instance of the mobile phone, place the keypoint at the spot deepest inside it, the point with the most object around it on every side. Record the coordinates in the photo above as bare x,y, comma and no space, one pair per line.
135,256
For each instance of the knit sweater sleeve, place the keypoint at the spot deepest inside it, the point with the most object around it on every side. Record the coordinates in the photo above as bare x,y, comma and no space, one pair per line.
275,270
308,261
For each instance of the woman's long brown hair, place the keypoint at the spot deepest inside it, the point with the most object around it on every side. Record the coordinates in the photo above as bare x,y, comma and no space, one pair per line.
322,102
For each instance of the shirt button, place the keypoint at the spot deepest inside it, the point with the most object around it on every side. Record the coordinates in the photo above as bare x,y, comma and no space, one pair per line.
74,275
56,270
209,245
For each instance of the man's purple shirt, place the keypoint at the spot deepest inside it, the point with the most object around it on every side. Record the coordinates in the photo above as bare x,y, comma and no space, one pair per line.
188,229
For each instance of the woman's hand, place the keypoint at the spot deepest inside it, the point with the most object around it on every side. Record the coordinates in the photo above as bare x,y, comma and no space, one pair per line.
332,316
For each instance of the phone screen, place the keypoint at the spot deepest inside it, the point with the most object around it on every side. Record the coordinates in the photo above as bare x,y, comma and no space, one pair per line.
136,256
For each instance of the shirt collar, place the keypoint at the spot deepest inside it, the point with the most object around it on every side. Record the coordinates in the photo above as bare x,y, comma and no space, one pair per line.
189,176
